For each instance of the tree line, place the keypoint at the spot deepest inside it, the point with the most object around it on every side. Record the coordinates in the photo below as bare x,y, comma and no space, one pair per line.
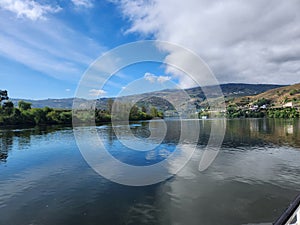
286,113
24,114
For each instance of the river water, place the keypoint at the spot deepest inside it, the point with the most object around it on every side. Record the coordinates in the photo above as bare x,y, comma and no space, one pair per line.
45,180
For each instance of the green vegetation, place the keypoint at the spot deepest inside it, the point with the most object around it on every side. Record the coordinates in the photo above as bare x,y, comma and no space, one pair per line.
283,113
203,113
274,103
135,113
239,113
294,91
24,105
234,112
267,104
25,115
262,101
3,96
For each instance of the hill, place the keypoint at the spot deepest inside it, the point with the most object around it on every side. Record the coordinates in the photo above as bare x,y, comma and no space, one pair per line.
237,89
231,90
276,98
64,103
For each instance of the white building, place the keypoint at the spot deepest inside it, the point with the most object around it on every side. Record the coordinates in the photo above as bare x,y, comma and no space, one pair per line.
288,105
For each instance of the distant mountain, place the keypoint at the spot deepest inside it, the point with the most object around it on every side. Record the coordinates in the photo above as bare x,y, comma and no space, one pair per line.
195,97
234,89
230,90
240,89
64,103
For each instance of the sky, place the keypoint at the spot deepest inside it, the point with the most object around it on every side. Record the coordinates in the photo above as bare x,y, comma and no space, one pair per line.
47,45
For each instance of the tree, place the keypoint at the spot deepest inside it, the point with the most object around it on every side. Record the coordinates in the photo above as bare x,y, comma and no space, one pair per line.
144,110
3,95
66,117
53,117
24,105
134,113
263,101
39,116
153,112
8,107
294,91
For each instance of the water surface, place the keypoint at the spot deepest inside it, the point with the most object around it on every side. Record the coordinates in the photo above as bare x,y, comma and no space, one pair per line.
44,179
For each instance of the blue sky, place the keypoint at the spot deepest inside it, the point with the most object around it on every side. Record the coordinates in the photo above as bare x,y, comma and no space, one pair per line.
45,46
45,56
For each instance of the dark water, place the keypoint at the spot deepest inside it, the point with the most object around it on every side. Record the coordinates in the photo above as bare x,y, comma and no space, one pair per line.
44,179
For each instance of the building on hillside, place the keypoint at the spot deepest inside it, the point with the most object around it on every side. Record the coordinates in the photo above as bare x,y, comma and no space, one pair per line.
254,107
263,107
288,105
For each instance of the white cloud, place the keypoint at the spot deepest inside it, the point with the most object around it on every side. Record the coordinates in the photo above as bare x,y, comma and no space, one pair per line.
153,78
47,46
96,92
162,79
83,3
150,77
254,41
28,8
68,90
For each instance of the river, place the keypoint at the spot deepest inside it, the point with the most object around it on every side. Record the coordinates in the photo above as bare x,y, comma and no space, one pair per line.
45,180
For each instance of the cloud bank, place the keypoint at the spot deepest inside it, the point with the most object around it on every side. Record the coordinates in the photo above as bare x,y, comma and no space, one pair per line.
83,3
97,92
42,42
255,41
28,8
153,78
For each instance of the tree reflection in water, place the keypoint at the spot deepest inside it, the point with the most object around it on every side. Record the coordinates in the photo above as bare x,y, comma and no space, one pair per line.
21,137
6,142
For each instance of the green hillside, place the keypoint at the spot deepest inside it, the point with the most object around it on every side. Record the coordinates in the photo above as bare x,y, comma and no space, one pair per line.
276,98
